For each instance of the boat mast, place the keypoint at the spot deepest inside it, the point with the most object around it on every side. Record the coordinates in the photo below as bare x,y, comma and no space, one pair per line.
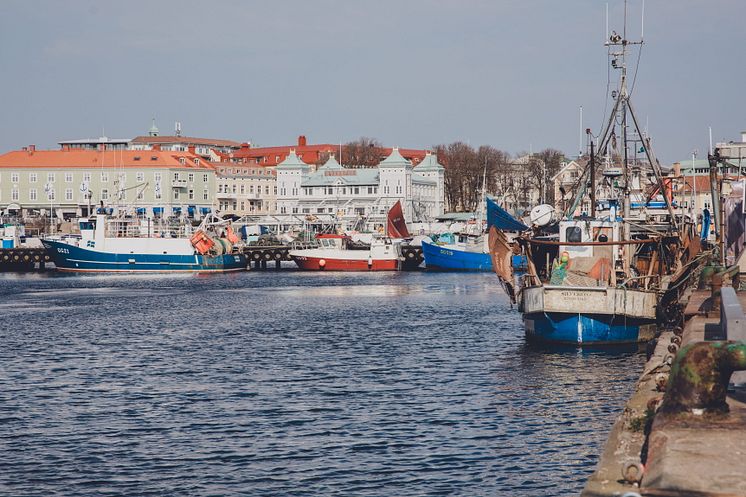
623,100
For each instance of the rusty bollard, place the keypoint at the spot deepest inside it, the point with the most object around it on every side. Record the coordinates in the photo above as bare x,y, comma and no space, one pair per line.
699,377
717,284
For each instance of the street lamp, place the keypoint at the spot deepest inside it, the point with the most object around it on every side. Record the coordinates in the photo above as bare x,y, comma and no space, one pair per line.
49,188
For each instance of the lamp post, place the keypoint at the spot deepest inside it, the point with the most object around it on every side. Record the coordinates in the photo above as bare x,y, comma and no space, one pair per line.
49,188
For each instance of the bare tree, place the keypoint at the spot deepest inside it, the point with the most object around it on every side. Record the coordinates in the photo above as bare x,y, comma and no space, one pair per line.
363,152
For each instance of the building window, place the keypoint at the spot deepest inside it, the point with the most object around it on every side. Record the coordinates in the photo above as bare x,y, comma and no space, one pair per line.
357,190
51,194
242,205
243,188
191,177
14,177
191,194
104,194
251,188
295,210
370,190
14,195
104,177
31,178
204,178
32,194
68,177
87,177
140,195
140,176
283,210
176,194
68,193
157,177
205,194
158,193
50,177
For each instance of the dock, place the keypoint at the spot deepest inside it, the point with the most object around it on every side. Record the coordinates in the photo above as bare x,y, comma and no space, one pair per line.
683,431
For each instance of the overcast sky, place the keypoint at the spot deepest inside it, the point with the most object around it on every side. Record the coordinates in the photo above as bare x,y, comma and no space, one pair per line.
511,74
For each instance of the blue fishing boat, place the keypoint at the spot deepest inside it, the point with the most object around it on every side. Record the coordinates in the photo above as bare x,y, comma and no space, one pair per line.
118,245
467,251
466,254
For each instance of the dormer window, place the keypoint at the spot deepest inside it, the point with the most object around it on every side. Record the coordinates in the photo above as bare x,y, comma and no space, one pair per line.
182,160
153,157
137,157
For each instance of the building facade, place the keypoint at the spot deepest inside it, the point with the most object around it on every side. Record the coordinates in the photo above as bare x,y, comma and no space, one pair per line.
68,181
359,198
245,189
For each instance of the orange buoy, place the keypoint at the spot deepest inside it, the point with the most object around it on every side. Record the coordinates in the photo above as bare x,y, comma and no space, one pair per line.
322,263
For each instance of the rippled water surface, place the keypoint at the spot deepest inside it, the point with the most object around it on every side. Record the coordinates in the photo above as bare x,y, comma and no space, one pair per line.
290,383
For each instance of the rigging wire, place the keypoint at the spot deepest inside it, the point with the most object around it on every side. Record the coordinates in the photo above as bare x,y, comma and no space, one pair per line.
637,66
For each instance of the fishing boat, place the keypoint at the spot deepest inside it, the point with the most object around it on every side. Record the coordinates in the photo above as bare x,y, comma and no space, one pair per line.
601,277
338,252
470,251
135,245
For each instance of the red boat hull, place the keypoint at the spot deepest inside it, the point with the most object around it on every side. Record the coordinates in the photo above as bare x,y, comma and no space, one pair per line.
328,264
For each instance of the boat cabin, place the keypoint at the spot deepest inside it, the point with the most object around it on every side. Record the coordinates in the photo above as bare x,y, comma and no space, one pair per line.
589,231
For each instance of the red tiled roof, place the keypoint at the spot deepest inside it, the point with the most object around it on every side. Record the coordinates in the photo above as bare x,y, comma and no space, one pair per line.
701,183
95,158
309,153
187,140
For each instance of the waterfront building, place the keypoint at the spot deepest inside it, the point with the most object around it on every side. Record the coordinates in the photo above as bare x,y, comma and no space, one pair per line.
566,183
152,182
96,143
360,197
518,185
208,148
245,189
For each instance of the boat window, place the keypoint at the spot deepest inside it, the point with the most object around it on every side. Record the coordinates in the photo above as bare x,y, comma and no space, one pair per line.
87,225
574,234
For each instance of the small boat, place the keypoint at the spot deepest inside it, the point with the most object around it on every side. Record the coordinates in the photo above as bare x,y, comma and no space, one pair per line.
335,253
118,245
469,251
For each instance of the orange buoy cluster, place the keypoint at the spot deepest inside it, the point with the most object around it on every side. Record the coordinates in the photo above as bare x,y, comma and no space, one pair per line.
202,242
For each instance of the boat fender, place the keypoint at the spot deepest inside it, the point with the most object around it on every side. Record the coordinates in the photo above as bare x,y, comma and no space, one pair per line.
278,256
322,263
370,262
256,256
410,255
267,256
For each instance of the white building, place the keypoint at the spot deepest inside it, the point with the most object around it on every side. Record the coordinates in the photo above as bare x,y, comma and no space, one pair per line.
360,197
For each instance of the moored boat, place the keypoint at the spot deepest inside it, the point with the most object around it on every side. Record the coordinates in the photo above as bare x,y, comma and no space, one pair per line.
334,254
116,245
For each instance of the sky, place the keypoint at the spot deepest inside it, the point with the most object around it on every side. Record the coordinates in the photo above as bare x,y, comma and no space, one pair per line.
411,73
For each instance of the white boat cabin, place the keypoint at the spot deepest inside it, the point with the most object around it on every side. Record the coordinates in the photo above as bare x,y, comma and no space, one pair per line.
589,231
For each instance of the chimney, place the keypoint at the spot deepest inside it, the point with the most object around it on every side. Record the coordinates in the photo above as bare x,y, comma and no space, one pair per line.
302,141
743,136
31,149
244,146
157,147
191,149
677,168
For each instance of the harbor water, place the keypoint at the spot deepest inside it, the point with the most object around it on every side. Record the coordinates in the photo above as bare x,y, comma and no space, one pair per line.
292,383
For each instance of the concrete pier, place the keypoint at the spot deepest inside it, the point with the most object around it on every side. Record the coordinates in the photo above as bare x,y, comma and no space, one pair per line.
695,452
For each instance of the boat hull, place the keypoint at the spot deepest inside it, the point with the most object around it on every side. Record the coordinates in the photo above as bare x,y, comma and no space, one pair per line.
593,316
68,257
320,263
447,258
586,329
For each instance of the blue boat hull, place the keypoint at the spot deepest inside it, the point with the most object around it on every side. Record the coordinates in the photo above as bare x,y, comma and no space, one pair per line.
591,329
445,257
71,258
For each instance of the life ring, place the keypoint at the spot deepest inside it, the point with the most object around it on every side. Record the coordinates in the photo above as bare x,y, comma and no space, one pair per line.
322,263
